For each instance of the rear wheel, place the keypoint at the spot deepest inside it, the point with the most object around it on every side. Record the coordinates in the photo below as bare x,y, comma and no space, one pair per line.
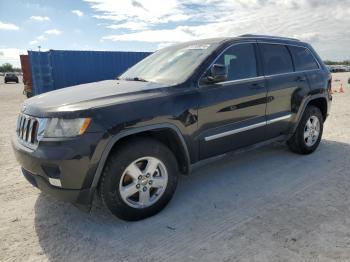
139,179
309,132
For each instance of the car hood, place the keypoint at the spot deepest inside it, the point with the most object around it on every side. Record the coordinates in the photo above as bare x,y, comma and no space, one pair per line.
93,95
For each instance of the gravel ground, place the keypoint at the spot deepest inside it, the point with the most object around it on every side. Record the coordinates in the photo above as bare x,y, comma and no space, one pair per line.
264,205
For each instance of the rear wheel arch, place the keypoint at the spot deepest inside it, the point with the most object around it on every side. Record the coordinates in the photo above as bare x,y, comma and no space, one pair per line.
166,133
308,134
318,101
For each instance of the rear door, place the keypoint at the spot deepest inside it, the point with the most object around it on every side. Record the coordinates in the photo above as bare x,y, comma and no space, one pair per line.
285,88
231,114
306,62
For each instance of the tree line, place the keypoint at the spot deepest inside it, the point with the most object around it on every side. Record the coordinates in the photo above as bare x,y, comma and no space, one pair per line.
7,67
329,62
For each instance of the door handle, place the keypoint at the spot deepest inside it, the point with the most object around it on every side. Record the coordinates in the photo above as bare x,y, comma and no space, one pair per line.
257,87
301,79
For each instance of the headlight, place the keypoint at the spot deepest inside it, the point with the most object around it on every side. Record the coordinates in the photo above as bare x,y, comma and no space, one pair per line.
59,127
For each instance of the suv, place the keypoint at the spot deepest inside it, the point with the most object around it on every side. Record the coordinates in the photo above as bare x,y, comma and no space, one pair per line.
9,77
131,137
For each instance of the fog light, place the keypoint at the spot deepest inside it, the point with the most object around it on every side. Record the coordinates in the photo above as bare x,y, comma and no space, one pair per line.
53,172
55,182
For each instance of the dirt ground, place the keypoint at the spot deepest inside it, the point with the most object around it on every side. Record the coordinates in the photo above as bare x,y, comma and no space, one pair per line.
264,205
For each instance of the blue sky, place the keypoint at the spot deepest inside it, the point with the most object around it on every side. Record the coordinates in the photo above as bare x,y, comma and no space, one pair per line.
146,25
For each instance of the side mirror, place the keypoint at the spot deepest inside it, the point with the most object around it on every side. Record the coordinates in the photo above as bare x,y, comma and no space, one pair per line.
217,73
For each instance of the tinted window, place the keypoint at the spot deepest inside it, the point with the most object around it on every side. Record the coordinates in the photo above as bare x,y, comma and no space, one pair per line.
303,59
239,61
276,59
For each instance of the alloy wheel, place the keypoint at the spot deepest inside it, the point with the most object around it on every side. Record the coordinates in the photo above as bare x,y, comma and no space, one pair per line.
311,131
143,182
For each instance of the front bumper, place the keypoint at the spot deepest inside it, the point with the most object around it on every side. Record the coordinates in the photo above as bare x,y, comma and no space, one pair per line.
82,198
62,168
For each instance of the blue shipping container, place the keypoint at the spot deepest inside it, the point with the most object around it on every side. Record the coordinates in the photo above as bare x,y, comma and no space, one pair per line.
56,69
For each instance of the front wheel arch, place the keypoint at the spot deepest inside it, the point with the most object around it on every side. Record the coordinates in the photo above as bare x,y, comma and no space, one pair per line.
184,163
130,187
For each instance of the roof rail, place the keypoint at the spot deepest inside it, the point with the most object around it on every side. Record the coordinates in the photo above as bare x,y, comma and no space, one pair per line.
269,36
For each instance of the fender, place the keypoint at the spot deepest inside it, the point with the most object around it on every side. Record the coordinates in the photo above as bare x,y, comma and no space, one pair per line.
133,131
303,106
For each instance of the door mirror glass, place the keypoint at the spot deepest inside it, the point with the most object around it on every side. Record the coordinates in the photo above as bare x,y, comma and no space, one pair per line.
218,73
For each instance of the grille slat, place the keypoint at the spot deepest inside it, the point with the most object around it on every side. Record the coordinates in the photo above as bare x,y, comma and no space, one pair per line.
24,131
20,126
34,131
18,123
27,129
30,131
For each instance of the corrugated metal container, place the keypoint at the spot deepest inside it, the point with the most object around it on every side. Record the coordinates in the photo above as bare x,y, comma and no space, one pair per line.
27,75
56,69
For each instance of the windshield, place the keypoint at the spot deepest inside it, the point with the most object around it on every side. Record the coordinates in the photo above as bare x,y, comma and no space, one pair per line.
171,65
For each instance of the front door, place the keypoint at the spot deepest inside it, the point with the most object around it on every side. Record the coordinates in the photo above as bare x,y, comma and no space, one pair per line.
231,114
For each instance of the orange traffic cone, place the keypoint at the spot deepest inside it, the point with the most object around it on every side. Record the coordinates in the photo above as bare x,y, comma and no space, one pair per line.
341,90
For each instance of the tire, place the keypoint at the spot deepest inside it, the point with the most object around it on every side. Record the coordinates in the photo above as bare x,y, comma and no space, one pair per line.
298,143
116,179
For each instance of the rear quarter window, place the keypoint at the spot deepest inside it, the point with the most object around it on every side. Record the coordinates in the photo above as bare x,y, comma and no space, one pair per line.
303,58
276,59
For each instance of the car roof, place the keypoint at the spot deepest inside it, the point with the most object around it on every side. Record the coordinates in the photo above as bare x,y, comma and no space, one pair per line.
269,37
280,39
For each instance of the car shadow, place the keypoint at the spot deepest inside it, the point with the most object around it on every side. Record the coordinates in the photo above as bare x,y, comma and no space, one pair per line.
216,196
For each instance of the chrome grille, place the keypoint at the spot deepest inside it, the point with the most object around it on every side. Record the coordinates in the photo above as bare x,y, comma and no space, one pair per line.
27,128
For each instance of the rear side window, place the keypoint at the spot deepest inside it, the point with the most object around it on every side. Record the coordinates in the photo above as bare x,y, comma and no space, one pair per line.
276,59
239,61
303,59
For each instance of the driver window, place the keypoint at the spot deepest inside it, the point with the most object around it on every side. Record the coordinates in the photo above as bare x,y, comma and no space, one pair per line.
239,61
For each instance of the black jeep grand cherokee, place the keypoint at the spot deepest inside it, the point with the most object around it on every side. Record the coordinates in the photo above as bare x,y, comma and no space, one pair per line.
131,137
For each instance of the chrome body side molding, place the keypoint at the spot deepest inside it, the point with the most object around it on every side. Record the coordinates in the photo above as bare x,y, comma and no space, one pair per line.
246,128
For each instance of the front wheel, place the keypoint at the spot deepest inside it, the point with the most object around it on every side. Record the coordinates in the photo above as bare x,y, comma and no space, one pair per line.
139,179
309,132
